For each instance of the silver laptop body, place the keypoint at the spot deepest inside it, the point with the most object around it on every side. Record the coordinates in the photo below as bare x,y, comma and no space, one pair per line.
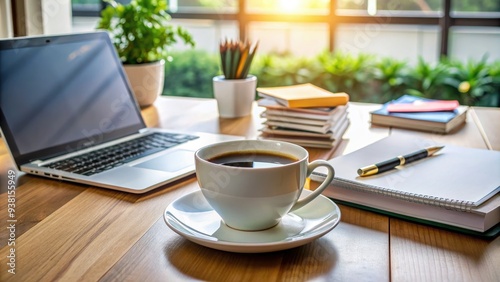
65,97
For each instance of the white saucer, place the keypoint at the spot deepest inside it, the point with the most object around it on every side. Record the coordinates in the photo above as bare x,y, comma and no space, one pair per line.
193,218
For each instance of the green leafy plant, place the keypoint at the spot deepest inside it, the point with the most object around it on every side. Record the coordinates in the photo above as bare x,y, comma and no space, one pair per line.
348,73
427,80
141,30
392,77
236,58
367,79
285,69
472,81
494,98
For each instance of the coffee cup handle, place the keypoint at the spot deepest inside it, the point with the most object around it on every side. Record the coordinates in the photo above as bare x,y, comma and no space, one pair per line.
329,177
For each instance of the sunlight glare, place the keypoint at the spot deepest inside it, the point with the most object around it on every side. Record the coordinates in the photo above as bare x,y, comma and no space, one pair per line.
372,7
173,6
290,6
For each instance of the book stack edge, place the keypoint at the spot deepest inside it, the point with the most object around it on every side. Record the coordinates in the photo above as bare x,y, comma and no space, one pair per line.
419,113
316,127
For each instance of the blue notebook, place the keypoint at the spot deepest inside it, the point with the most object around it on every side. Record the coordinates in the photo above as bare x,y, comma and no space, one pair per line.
442,122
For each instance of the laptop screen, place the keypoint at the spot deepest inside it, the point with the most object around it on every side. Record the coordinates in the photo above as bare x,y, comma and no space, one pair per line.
59,94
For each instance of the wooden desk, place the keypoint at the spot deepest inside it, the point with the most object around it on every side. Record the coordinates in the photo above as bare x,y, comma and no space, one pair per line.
74,232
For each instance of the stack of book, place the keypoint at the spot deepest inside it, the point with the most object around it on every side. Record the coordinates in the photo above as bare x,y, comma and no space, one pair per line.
412,112
304,114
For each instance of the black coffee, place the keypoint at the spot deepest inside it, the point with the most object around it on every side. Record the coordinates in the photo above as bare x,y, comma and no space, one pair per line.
252,159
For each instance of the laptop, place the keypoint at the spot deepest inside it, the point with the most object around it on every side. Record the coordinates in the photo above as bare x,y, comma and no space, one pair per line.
67,112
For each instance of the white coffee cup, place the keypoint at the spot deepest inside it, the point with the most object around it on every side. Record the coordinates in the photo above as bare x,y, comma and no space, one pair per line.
256,198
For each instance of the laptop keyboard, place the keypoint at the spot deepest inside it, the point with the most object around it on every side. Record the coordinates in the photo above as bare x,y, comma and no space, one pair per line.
113,156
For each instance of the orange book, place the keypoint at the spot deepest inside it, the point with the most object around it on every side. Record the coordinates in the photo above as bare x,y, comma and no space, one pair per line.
304,96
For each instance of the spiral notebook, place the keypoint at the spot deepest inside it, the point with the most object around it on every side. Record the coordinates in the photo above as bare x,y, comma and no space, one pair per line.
453,181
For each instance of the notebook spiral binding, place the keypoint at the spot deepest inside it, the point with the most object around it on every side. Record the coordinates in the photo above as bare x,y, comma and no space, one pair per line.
450,204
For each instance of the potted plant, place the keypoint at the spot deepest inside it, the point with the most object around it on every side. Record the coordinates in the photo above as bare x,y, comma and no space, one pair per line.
235,89
142,34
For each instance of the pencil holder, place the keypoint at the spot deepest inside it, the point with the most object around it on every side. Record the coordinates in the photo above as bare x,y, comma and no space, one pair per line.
234,96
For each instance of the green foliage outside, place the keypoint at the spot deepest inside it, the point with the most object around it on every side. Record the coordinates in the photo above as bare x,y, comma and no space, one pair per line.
366,78
189,74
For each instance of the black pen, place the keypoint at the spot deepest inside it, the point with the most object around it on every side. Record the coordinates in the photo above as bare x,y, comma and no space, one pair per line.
397,161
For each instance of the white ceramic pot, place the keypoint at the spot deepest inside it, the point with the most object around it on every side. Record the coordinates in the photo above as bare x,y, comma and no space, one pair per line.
234,96
146,81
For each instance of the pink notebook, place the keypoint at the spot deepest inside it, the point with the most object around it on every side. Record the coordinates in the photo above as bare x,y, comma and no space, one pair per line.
421,106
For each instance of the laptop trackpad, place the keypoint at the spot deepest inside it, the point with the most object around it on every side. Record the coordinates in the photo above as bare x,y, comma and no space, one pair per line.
170,162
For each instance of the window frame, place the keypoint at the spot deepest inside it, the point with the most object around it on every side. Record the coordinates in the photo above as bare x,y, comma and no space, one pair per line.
445,19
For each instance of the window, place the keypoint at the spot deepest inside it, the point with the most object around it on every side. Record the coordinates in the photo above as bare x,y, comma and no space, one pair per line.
479,6
463,37
5,19
298,7
404,42
294,38
412,28
86,7
203,6
374,7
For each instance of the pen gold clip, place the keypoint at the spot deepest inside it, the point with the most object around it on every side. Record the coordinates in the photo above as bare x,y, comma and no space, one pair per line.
397,161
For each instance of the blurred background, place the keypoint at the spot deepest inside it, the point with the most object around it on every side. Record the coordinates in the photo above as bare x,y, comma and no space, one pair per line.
374,50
